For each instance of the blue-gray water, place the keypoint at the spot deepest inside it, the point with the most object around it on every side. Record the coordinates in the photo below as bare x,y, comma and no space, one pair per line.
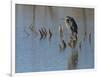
34,55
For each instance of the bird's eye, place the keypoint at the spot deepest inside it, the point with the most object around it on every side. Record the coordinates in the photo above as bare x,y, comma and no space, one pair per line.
67,20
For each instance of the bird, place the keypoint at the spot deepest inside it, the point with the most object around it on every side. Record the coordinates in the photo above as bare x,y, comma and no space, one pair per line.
71,25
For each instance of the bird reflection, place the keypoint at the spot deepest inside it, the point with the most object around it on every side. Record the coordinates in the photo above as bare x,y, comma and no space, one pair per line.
80,46
61,31
63,45
73,60
90,38
73,28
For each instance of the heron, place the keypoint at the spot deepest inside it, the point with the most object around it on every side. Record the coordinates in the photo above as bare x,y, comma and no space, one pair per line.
71,25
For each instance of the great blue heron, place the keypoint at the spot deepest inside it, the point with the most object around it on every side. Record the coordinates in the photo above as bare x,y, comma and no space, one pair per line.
71,24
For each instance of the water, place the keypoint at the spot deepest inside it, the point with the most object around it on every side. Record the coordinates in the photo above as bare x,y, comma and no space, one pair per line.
35,55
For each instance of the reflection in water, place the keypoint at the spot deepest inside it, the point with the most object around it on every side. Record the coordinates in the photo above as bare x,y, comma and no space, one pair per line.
63,45
31,27
28,29
44,33
73,41
41,34
73,28
43,28
49,35
27,34
61,32
80,46
73,60
85,34
90,38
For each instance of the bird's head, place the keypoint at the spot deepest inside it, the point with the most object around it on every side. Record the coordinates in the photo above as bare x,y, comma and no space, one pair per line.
68,20
70,23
